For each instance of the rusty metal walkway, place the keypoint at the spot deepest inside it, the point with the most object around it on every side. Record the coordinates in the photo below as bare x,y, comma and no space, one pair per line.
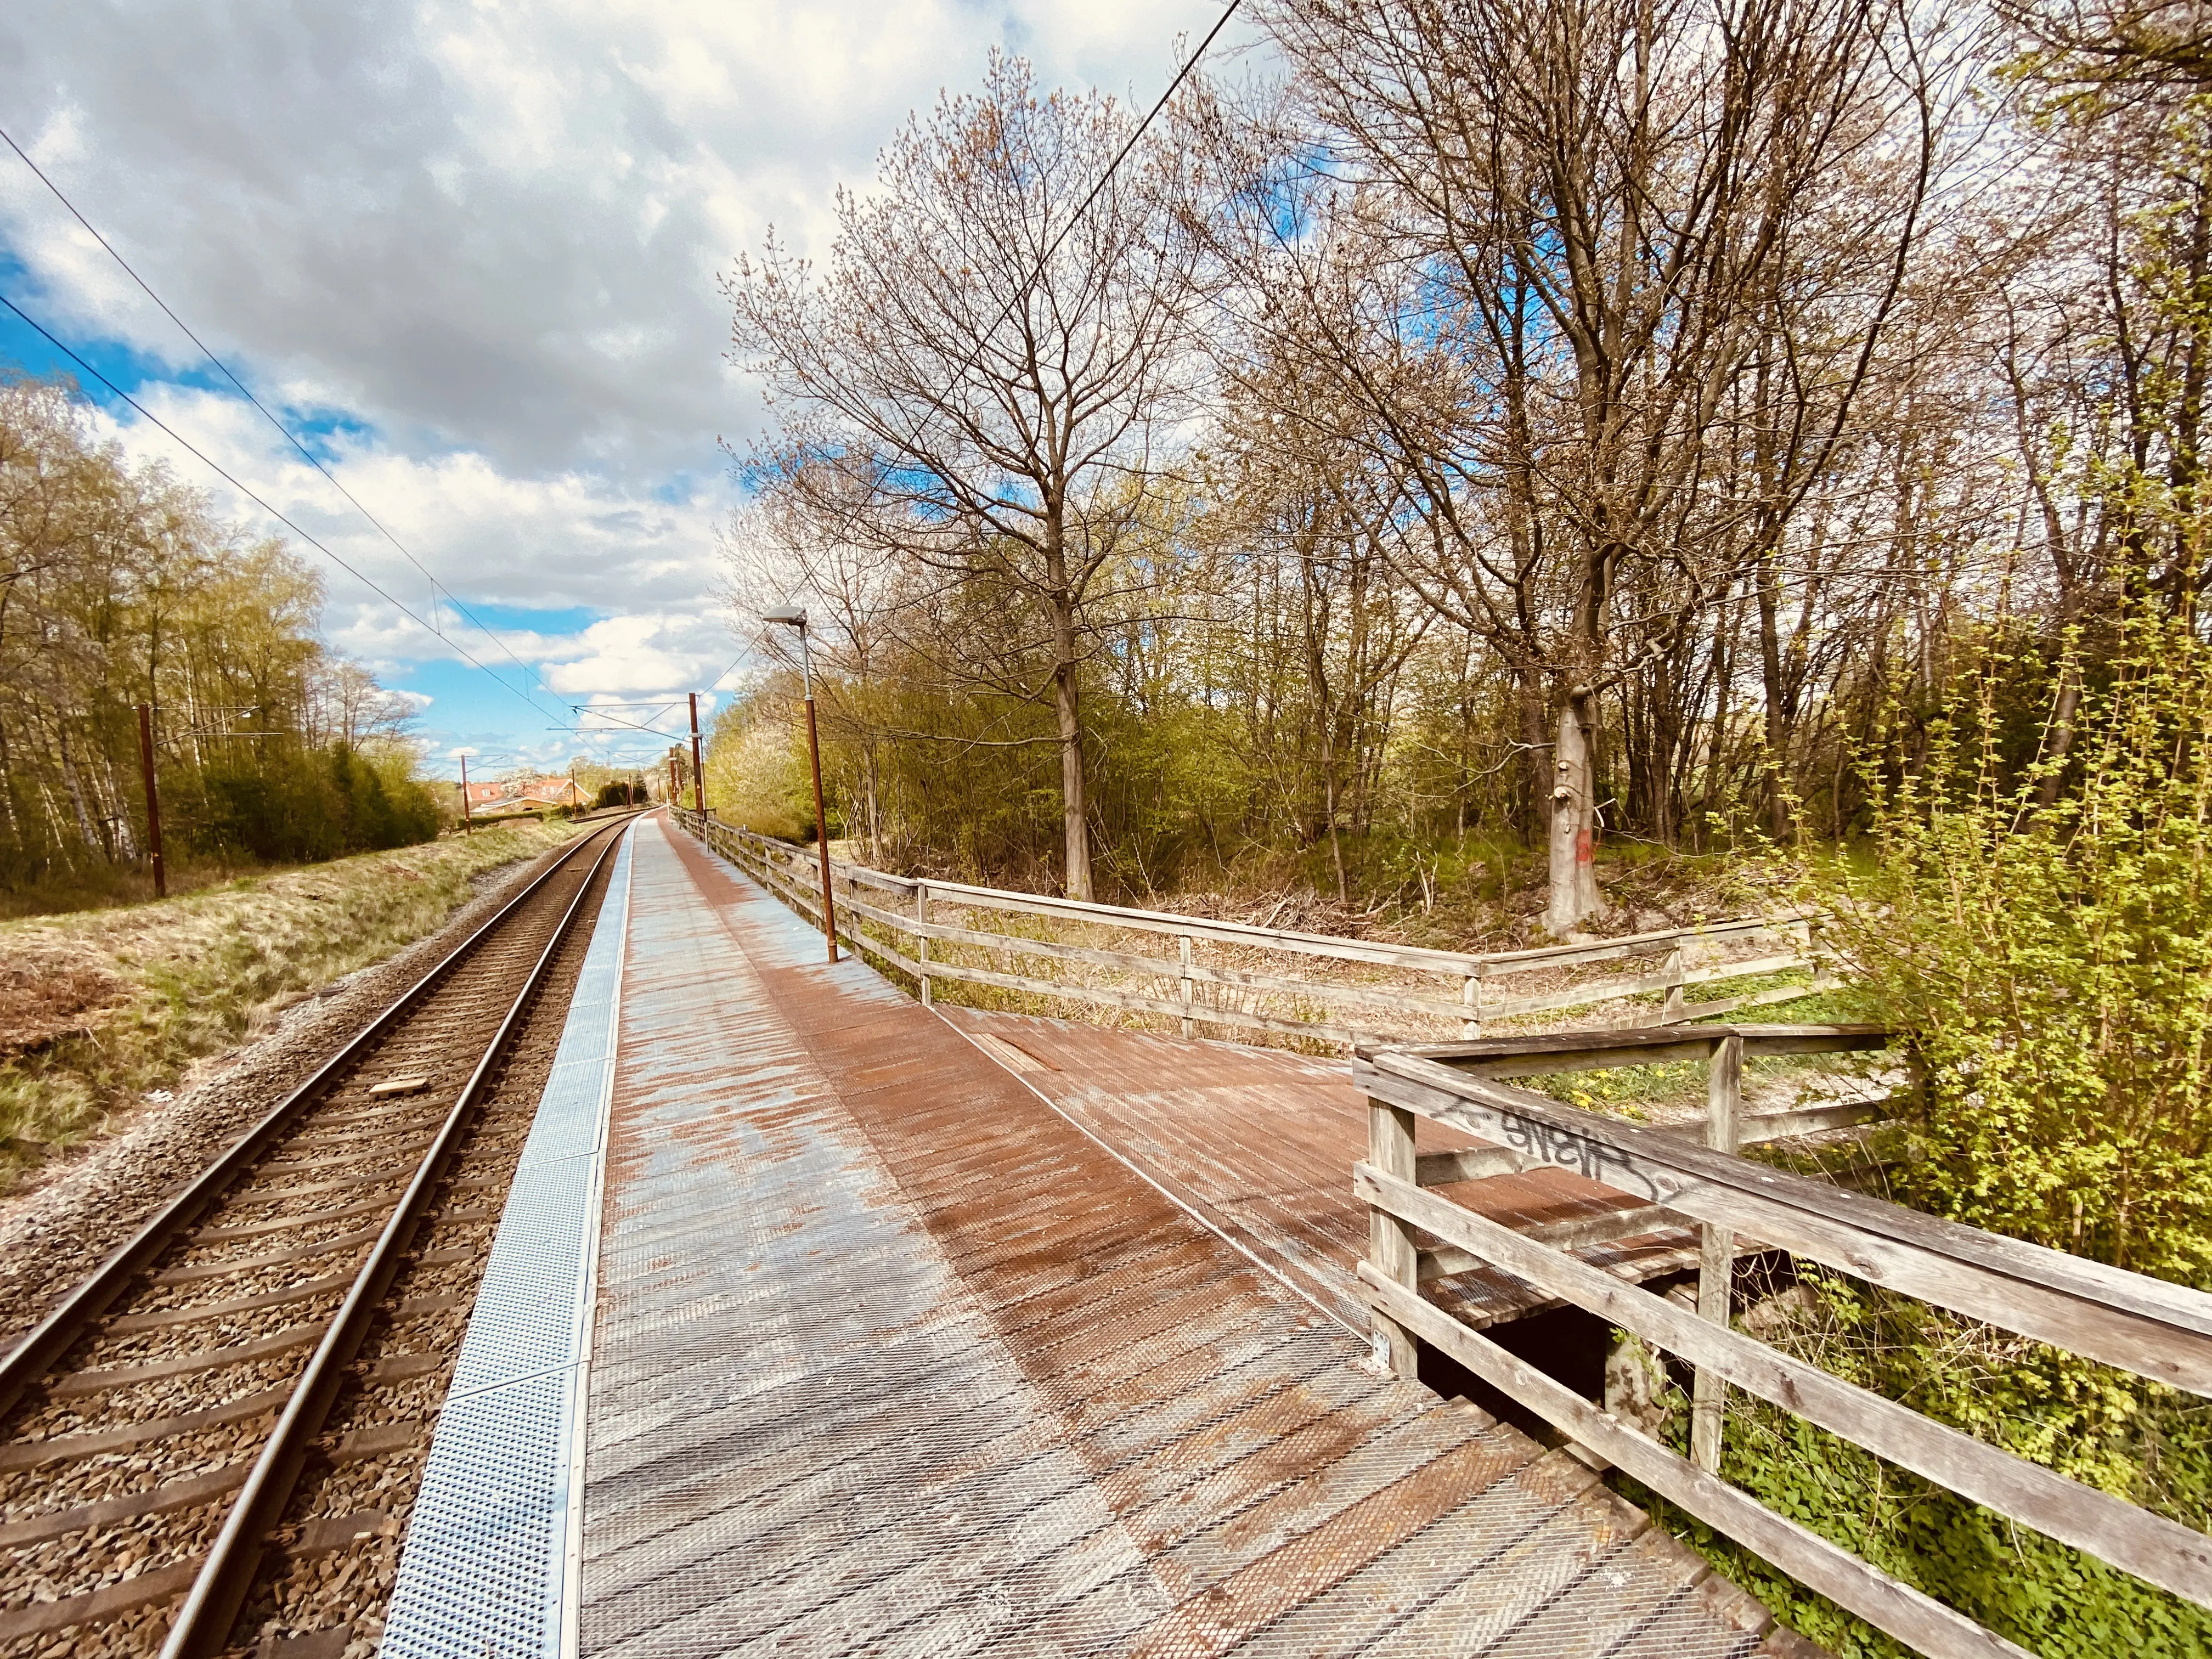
894,1356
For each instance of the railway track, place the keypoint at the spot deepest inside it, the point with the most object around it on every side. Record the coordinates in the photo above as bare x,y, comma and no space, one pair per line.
209,1447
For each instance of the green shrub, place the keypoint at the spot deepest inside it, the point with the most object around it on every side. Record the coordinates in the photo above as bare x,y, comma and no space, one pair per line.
2050,965
303,806
2036,924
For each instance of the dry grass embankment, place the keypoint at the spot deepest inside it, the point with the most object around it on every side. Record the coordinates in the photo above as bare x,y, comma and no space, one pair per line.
101,1008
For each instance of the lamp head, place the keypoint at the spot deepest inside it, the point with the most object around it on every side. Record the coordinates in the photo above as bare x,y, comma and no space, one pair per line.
791,616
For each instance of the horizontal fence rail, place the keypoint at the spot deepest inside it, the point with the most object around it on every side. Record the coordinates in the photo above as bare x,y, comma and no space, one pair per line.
2146,1326
952,931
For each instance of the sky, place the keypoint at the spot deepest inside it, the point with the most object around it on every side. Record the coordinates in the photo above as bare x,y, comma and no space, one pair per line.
469,252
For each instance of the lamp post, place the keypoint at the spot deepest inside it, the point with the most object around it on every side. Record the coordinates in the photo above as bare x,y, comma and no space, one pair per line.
698,772
792,616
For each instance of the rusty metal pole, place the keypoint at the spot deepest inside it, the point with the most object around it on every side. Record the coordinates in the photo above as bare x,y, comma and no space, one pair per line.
821,819
153,798
675,794
468,824
698,772
791,615
821,834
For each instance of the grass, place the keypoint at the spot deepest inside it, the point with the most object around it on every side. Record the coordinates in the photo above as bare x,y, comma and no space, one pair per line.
105,886
147,989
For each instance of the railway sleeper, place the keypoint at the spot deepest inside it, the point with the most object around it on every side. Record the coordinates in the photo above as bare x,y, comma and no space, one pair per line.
110,1512
97,1607
306,1291
75,1385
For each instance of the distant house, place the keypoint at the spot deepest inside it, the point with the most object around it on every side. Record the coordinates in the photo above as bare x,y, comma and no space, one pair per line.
501,797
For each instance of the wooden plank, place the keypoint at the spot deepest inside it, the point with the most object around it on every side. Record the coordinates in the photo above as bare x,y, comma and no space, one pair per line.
2157,1551
1384,998
1129,1003
1581,1233
2189,1309
1696,1010
1634,1043
1592,1056
1468,1163
1390,1247
1628,945
1760,1040
1761,1127
1898,1609
1575,996
2157,1330
1745,969
1716,1251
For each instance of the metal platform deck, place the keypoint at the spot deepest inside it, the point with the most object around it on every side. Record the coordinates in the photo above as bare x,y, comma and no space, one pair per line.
895,1354
1261,1142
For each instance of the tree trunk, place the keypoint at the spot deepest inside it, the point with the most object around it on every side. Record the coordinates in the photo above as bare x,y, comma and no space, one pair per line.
1574,896
875,819
2062,737
75,790
1072,804
1534,817
1778,712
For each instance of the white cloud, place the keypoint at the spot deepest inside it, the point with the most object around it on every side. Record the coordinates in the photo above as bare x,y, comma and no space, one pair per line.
491,227
485,240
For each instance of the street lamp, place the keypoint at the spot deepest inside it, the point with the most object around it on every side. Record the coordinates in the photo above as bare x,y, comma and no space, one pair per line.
792,616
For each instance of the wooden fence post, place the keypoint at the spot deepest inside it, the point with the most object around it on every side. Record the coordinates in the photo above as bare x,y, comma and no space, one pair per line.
1390,1240
1182,953
1716,1248
921,940
1471,994
1673,972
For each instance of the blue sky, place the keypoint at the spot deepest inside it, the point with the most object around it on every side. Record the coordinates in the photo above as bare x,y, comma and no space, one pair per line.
469,254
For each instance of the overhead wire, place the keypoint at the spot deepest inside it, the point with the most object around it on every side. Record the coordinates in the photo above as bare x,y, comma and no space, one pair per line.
1084,207
1028,283
221,472
246,391
1014,299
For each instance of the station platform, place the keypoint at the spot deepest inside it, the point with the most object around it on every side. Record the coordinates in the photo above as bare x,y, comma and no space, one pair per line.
939,1333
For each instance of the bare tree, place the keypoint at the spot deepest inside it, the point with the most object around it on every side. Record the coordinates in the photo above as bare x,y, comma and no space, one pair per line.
987,377
1584,229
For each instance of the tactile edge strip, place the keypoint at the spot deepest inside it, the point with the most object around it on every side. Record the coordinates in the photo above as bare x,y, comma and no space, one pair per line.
494,1546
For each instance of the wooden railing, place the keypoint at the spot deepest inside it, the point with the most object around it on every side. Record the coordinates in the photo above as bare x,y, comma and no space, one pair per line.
926,929
2146,1326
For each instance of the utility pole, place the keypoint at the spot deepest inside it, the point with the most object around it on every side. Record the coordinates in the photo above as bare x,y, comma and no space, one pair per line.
698,772
675,796
791,615
468,824
153,797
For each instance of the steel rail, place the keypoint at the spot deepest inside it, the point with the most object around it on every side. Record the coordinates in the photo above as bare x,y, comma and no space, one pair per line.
202,1623
51,1338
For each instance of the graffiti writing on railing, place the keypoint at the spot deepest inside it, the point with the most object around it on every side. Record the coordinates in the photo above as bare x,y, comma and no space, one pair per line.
1591,1159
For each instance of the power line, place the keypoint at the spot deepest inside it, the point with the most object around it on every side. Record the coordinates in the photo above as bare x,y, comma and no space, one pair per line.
246,392
220,473
1028,284
1076,218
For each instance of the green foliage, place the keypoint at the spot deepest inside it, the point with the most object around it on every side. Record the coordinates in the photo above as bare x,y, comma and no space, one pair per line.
2047,954
307,805
757,775
2052,1599
616,792
2036,923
